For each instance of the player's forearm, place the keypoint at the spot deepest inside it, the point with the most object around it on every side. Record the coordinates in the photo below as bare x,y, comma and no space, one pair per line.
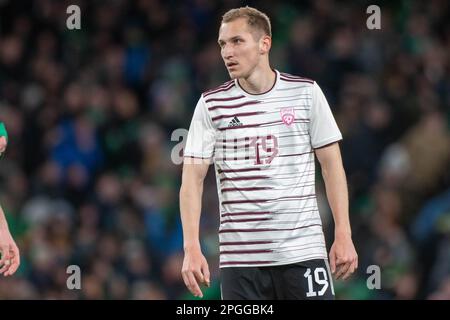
337,194
3,222
190,208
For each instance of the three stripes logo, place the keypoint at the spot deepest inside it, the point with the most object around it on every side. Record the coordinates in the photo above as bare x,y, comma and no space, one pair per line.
235,122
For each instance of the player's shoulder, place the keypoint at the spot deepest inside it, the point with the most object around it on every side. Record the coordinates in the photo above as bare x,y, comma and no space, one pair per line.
218,91
288,78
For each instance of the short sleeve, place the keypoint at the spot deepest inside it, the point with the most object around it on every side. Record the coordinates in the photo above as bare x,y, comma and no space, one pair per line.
323,127
202,134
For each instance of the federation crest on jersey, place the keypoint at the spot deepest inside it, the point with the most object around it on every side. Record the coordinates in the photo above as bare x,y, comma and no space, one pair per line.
287,115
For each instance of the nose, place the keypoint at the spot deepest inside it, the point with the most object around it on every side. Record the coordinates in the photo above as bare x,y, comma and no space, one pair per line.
227,52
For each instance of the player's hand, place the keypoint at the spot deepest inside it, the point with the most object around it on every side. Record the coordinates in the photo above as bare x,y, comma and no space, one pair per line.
195,271
343,257
10,259
3,144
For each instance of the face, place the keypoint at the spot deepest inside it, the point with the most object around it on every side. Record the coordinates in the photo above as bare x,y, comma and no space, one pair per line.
240,51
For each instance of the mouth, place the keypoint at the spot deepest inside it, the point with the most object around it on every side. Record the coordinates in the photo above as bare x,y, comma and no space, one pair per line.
231,64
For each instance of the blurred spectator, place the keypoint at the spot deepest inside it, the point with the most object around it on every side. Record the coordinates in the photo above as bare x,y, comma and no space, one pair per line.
87,177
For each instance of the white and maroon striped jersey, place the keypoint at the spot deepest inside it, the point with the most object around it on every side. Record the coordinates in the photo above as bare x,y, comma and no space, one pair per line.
262,146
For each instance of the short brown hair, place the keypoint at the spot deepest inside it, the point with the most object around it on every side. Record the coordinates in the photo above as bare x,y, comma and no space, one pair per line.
255,19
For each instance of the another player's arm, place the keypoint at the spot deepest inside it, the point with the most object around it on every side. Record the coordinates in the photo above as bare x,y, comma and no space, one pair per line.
3,138
10,256
195,267
343,257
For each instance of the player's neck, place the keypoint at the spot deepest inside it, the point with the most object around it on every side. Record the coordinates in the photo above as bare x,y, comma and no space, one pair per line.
260,81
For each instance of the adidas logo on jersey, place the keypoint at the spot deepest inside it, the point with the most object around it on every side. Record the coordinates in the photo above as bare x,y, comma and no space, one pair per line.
234,122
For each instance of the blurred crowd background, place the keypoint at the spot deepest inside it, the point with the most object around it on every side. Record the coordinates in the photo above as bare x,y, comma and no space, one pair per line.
87,178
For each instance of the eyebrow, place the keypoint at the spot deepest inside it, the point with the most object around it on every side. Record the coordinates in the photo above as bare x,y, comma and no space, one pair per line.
231,39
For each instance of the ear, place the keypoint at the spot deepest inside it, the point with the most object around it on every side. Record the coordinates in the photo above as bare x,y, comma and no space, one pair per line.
265,43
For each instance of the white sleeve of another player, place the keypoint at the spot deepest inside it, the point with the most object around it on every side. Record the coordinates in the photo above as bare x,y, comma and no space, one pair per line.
202,134
323,128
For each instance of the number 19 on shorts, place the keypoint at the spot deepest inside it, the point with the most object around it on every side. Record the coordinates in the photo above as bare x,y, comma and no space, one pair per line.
320,277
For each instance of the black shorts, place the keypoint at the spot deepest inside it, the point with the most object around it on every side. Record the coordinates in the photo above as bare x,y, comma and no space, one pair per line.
299,281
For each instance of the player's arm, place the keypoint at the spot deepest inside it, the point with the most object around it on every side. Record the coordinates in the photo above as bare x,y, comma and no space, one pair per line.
10,258
3,138
195,267
343,257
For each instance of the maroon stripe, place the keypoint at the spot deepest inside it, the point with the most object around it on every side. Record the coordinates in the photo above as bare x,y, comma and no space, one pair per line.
236,158
300,120
245,220
286,76
299,186
245,262
266,200
244,213
243,114
239,139
290,174
235,243
263,124
266,229
223,146
290,76
292,80
292,145
225,99
257,137
225,88
233,106
244,201
295,154
239,170
192,157
280,124
291,197
302,247
295,79
242,139
245,189
293,131
245,251
297,212
206,93
271,124
220,86
295,198
299,176
223,85
244,178
294,135
250,125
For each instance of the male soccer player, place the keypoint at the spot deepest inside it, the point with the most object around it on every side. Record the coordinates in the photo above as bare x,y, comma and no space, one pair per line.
262,129
10,258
